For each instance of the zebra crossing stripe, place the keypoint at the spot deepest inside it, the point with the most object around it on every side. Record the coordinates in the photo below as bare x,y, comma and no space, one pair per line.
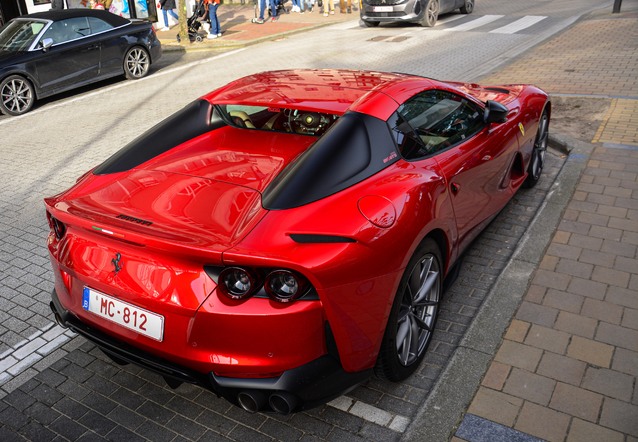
474,23
519,24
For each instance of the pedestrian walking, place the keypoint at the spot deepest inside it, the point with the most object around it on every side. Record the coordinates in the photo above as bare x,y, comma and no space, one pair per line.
168,7
215,28
328,5
262,11
345,6
306,5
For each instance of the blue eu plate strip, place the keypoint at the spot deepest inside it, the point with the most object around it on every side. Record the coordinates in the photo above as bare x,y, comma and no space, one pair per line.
85,298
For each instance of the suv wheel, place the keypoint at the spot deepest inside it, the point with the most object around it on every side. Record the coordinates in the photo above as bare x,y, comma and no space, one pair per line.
431,14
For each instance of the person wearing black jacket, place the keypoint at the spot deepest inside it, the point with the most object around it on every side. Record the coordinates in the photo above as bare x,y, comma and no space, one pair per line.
167,8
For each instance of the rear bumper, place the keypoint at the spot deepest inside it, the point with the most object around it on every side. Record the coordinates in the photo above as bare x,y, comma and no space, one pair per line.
309,385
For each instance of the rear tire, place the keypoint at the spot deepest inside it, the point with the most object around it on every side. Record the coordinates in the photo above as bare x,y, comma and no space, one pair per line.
16,95
467,7
413,315
431,14
137,63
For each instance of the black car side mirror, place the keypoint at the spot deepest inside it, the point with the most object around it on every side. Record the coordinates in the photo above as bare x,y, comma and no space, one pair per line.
46,43
495,112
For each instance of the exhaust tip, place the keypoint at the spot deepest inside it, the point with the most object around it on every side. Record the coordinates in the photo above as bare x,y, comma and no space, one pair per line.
283,403
252,400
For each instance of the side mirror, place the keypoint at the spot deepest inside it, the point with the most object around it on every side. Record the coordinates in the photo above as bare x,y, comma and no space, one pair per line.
495,112
46,43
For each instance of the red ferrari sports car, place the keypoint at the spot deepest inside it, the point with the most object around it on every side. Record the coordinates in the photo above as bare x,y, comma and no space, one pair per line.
285,236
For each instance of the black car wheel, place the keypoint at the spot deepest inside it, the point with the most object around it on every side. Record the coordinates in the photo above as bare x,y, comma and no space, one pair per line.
16,95
137,62
538,152
413,315
370,24
467,7
431,14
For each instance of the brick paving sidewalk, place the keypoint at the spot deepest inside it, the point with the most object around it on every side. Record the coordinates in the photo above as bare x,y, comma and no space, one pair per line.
569,360
238,30
568,364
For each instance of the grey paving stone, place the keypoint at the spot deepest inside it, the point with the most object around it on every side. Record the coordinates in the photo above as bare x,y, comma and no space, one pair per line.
42,413
35,432
120,433
156,433
216,422
279,431
156,412
99,403
476,429
186,427
127,398
68,428
19,400
374,432
47,395
244,433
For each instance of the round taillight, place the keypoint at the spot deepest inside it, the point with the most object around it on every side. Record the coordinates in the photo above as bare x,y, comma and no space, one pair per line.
237,283
284,285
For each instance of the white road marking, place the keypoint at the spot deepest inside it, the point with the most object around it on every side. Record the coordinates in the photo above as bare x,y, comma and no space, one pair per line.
481,21
519,24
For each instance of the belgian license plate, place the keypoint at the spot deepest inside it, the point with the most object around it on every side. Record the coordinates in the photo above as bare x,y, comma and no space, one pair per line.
127,315
382,8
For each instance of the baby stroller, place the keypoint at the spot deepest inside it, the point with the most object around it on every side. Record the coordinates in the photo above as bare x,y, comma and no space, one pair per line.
280,8
194,22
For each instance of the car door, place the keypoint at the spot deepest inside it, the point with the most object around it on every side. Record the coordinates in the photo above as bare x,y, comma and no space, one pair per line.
448,5
112,42
73,59
472,158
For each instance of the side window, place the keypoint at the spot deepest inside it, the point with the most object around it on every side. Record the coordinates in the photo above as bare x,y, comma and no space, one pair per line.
67,30
98,25
433,121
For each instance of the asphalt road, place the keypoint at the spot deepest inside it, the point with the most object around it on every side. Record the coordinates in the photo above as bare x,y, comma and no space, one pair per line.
44,151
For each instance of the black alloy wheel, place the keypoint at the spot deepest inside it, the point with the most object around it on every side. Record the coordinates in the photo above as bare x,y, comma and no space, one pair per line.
16,95
413,315
137,63
431,14
537,161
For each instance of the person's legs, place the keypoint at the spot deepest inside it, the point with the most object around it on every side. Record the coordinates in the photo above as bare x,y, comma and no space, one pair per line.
262,9
173,14
165,14
214,22
273,8
217,25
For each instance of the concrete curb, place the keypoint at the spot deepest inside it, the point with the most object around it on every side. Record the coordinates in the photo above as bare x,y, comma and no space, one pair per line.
443,410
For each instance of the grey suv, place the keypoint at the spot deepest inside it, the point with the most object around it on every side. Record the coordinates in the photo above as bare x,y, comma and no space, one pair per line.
424,12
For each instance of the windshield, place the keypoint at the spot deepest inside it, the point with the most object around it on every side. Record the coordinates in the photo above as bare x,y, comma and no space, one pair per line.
277,119
19,35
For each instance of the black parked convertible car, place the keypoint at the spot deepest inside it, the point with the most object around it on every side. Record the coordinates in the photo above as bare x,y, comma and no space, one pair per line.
50,52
